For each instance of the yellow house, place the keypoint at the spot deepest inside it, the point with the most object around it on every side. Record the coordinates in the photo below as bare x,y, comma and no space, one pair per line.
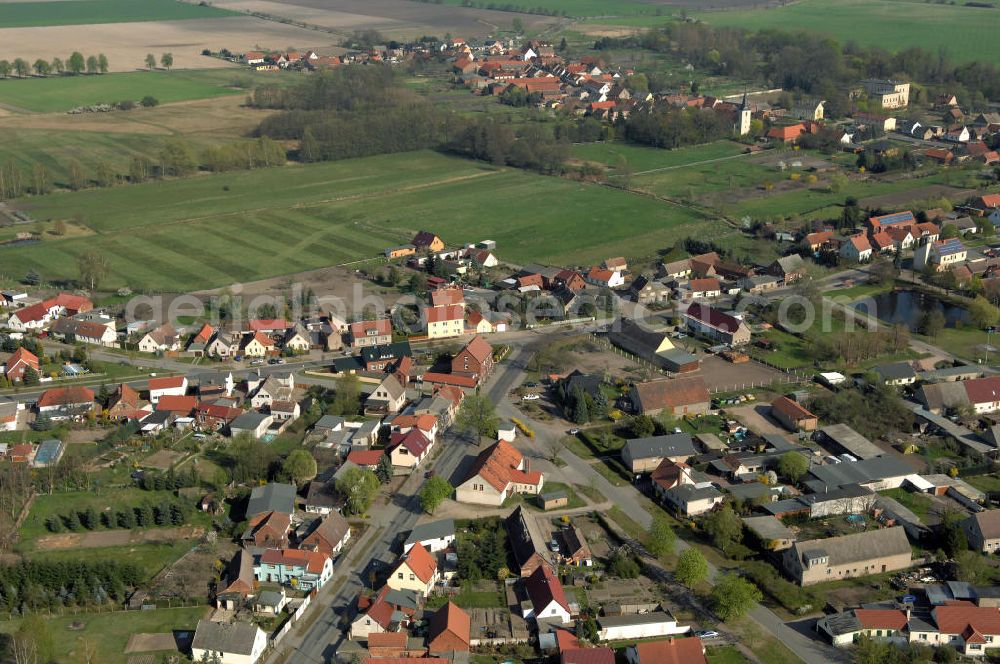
443,322
418,571
257,345
479,323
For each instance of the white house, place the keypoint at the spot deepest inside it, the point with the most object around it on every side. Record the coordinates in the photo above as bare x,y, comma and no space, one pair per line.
546,597
232,643
172,386
630,627
434,536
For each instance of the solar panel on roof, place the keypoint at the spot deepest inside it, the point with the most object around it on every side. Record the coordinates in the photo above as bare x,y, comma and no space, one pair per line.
896,218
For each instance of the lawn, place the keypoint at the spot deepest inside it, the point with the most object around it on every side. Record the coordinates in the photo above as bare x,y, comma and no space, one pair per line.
63,503
467,598
988,483
889,24
221,229
917,503
61,93
725,655
150,558
110,632
640,158
859,291
83,12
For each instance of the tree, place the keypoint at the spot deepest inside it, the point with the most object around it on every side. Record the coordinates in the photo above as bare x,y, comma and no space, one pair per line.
309,150
477,417
32,643
41,178
953,538
733,597
149,101
5,68
433,493
724,526
346,396
623,565
793,466
692,568
581,414
92,66
177,158
21,67
359,488
93,268
41,67
140,169
932,322
642,426
32,278
57,65
76,63
300,466
384,470
102,63
150,61
31,378
982,313
104,173
971,567
662,537
167,60
77,180
517,25
418,284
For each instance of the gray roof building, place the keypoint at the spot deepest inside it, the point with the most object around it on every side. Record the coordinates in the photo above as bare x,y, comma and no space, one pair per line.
273,497
833,476
231,638
672,445
850,441
431,530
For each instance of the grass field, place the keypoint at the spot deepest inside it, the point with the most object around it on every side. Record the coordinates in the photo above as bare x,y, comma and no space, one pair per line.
640,159
61,93
890,24
110,631
150,558
82,12
216,230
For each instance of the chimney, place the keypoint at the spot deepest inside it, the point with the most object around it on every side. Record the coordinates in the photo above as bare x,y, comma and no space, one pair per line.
527,465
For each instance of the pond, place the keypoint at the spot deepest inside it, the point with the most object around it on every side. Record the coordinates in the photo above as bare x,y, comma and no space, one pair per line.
908,307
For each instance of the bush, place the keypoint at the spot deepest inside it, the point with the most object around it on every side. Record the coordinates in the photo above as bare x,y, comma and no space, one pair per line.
149,102
624,566
125,105
789,595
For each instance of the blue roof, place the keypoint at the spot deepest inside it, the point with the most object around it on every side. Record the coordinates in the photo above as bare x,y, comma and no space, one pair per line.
896,218
48,452
952,246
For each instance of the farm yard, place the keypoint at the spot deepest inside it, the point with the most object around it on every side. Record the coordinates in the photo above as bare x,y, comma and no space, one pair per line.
81,12
340,212
891,24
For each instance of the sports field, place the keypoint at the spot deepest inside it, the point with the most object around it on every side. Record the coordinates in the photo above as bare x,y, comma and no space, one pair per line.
82,12
61,93
216,230
965,33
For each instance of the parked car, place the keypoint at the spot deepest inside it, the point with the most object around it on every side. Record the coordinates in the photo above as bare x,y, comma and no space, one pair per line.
530,397
573,432
707,634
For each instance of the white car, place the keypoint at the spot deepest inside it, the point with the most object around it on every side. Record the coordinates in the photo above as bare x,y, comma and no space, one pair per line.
530,397
707,634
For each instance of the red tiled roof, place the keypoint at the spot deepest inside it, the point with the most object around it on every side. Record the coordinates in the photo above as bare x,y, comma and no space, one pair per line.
498,465
33,313
365,457
449,379
597,274
881,618
713,317
819,238
445,313
479,348
452,621
71,302
312,561
22,354
168,383
791,409
267,324
381,327
983,390
61,396
672,651
263,339
413,440
990,200
387,640
177,404
602,655
421,562
703,285
957,619
860,242
204,334
447,296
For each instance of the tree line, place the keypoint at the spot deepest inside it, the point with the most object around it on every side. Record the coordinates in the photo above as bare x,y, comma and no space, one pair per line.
74,65
675,127
165,513
32,585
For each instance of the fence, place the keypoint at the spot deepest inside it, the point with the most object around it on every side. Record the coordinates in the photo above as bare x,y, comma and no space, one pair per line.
292,619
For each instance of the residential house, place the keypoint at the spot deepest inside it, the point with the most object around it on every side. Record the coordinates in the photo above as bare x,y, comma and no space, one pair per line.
64,403
677,396
647,291
224,344
370,333
417,571
445,321
426,242
449,630
162,339
846,556
889,94
707,321
239,584
20,361
91,332
576,655
691,499
707,288
982,530
408,450
387,612
256,344
498,472
605,278
617,264
330,536
434,536
448,296
475,360
939,254
789,268
296,340
251,424
896,373
215,417
792,415
856,248
546,597
229,643
298,568
388,397
642,455
198,344
635,626
33,317
671,651
169,386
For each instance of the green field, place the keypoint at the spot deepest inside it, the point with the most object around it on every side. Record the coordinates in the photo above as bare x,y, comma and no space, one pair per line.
61,93
149,557
82,12
641,159
890,24
216,230
110,632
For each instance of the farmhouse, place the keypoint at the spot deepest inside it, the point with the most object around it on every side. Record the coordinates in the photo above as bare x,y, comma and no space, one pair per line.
232,643
546,597
859,554
642,455
65,403
162,339
499,471
90,332
650,345
527,543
